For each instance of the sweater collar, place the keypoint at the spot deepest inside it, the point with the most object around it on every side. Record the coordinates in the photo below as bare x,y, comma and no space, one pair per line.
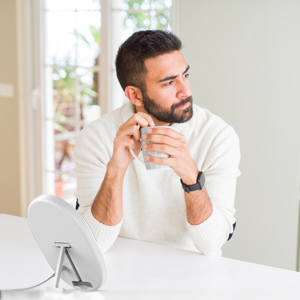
129,110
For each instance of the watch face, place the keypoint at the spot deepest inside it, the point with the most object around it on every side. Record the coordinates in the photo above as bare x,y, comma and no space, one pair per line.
201,180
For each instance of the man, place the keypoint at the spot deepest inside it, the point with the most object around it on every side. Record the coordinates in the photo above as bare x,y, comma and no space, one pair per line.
118,196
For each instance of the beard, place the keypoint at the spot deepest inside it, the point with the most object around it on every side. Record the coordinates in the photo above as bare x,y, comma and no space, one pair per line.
168,115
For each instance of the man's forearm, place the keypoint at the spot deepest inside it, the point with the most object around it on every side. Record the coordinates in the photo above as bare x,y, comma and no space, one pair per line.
198,206
107,207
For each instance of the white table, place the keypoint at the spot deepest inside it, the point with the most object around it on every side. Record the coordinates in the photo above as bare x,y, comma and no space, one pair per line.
140,270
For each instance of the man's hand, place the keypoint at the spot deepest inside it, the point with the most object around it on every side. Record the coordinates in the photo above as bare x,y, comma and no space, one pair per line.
173,143
107,207
128,137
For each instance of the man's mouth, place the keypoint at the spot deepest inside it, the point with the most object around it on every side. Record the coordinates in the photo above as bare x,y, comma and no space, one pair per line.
184,105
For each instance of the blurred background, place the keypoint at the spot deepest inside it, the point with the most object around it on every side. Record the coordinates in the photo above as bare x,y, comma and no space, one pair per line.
57,74
66,46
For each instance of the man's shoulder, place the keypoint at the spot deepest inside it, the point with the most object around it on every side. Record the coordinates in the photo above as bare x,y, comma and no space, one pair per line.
106,124
110,119
205,118
211,127
214,132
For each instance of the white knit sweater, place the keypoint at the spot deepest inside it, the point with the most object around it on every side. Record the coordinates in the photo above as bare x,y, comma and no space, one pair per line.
153,201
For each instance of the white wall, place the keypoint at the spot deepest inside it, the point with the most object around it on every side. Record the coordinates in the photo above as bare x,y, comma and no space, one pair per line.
245,67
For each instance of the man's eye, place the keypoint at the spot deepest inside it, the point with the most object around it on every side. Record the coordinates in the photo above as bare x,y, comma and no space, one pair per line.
169,83
186,75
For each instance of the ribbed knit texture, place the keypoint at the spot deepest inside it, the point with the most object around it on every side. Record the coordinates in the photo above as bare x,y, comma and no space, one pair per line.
105,235
153,201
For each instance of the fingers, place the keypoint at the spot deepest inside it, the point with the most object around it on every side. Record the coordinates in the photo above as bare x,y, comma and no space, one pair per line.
125,142
168,131
144,120
128,137
168,161
130,131
161,148
176,154
149,121
163,135
163,139
169,141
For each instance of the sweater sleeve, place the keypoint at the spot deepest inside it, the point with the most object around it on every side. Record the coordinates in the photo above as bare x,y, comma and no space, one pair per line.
221,172
91,159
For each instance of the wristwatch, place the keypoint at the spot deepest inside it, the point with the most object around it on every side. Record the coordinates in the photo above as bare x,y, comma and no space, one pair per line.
194,187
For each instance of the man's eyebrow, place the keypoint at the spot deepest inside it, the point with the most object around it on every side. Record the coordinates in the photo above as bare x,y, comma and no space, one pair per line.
173,77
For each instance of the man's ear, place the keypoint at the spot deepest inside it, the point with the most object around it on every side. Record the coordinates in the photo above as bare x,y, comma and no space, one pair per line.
134,95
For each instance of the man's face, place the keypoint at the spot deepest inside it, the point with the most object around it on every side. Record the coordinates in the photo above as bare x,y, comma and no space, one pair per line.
168,98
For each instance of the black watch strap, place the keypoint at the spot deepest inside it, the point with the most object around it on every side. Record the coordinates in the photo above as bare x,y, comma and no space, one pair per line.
194,187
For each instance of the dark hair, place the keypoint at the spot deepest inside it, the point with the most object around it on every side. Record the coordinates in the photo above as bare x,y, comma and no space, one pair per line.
130,60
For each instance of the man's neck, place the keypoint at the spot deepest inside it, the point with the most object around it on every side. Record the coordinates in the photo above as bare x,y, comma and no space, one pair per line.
159,123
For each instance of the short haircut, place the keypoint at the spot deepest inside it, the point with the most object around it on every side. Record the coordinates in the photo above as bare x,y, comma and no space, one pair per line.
131,56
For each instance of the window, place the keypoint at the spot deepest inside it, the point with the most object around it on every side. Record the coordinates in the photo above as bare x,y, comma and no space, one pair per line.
72,58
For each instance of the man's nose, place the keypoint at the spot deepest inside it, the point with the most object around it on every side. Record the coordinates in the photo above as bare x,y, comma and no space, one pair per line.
184,90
